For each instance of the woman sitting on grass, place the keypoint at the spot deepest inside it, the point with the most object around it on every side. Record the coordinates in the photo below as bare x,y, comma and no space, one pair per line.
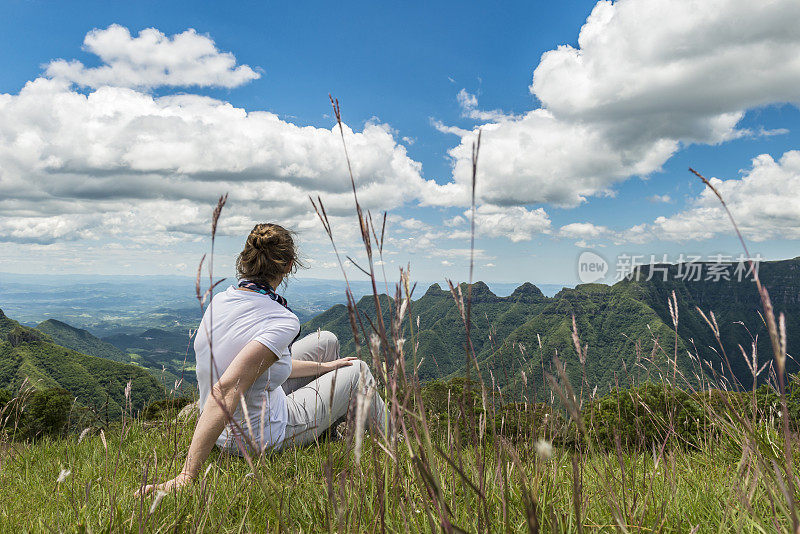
248,352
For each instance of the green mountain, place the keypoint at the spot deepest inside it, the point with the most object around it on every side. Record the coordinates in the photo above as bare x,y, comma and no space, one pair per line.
81,341
627,327
441,333
154,350
97,383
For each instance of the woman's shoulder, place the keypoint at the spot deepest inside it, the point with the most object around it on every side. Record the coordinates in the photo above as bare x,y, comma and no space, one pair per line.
283,314
271,308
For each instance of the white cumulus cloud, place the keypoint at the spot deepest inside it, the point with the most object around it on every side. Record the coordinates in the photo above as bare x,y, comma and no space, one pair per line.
515,223
469,108
152,59
647,78
119,159
584,231
765,202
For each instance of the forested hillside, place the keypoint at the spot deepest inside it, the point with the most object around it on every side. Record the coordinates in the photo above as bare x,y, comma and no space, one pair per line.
98,383
81,341
626,324
159,352
441,333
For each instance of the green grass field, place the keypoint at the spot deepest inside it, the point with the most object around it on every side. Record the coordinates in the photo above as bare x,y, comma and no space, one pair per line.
490,485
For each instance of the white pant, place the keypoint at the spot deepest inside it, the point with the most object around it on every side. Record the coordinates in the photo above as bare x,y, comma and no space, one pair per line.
314,404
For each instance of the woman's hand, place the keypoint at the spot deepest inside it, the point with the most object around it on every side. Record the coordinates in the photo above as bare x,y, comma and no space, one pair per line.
302,368
335,364
169,486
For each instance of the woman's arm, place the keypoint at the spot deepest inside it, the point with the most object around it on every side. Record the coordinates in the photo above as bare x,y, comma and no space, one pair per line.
248,365
302,368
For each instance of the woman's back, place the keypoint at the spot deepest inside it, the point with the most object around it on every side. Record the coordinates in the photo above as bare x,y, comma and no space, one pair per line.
234,318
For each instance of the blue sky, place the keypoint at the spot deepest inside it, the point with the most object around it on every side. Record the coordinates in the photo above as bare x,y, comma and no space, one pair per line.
589,154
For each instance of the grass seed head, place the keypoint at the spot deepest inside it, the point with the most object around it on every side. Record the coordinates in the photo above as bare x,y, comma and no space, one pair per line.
544,449
62,476
160,494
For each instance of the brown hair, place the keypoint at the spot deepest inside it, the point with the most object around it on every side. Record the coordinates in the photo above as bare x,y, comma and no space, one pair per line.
268,254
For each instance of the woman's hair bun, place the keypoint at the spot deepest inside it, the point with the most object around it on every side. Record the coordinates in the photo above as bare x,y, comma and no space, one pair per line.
269,253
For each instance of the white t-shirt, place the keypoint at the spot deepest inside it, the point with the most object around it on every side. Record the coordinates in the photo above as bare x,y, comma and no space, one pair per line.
232,320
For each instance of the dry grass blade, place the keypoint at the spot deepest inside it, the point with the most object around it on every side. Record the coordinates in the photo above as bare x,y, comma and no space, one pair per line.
576,341
217,212
778,348
197,281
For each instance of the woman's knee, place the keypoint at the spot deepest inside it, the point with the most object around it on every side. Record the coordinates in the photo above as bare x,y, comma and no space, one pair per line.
363,374
326,344
350,375
330,341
